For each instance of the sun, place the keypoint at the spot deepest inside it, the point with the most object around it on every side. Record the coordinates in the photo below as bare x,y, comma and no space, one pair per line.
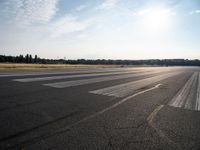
158,19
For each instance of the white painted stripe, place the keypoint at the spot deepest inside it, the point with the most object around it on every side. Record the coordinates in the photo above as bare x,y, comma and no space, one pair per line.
198,95
93,80
70,76
58,72
190,102
181,99
125,89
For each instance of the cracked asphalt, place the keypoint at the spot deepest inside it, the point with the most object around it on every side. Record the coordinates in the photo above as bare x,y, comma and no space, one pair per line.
34,116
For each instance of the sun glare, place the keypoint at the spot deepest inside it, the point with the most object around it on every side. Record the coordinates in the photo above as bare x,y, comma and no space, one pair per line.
157,19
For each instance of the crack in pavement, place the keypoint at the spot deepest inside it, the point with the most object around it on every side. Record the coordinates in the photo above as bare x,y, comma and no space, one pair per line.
160,133
67,128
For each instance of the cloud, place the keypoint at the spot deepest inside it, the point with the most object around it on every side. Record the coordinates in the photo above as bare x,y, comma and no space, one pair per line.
37,16
147,11
27,12
173,3
108,4
68,24
142,12
197,11
80,8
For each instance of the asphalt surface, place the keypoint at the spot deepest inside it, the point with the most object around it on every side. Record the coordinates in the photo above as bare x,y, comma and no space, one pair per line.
96,109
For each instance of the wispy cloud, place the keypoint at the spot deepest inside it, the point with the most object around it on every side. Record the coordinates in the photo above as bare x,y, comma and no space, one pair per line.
27,12
197,11
38,15
108,4
68,24
147,11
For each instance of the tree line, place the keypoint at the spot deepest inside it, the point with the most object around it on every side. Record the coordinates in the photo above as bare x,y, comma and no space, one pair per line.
29,59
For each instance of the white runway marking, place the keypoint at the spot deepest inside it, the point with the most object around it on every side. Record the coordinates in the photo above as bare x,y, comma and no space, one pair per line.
59,72
125,89
93,80
189,96
70,76
198,95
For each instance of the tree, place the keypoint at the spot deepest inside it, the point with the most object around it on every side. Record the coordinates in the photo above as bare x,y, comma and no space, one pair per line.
2,58
30,59
35,59
21,58
27,58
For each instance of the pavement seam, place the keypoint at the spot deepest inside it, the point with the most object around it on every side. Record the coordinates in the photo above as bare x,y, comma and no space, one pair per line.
160,133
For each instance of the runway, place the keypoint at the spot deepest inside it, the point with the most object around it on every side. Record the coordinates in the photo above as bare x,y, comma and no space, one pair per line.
113,108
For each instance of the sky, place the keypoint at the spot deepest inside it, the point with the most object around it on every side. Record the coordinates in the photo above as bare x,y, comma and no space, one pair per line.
101,29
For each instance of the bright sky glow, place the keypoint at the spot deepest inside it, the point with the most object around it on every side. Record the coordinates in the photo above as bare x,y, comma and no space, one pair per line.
158,19
92,29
